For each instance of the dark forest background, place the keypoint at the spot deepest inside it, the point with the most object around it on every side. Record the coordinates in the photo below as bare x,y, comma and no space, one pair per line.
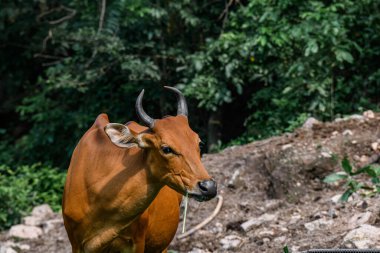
249,69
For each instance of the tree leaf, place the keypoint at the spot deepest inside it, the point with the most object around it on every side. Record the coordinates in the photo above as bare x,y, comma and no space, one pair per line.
346,165
346,195
342,55
371,172
376,170
335,177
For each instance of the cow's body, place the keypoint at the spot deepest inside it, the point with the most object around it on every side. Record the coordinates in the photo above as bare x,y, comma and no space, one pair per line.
100,180
125,182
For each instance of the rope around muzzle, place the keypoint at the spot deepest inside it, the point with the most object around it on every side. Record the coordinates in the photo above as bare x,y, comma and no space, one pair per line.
204,222
184,212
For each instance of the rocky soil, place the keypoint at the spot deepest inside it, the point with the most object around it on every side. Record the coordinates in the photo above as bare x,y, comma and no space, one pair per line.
273,195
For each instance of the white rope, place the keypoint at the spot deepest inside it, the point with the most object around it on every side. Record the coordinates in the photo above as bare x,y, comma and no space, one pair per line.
207,220
184,213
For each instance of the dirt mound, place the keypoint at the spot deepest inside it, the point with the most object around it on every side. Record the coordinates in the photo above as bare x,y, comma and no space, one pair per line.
274,195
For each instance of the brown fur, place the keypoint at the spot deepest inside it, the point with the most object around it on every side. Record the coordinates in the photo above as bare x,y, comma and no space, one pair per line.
118,199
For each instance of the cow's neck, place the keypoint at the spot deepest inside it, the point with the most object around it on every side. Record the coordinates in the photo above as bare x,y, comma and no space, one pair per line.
133,186
123,192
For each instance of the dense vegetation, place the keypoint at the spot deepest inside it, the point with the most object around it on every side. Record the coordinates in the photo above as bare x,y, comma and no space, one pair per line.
24,187
250,69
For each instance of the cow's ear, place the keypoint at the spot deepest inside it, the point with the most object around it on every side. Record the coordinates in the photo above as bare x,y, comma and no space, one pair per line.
120,135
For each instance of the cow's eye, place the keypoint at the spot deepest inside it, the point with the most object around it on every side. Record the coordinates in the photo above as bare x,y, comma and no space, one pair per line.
167,150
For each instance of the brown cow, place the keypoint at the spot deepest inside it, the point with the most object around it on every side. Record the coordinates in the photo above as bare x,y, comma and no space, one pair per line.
125,183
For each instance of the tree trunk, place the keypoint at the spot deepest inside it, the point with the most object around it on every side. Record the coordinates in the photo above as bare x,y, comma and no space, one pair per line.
214,130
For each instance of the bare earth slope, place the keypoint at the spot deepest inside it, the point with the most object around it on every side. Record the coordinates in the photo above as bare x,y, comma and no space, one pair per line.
274,196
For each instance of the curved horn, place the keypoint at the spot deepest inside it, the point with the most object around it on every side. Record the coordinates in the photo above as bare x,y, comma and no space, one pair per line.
148,121
182,105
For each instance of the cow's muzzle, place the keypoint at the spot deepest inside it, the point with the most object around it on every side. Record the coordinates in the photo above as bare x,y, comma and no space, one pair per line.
205,190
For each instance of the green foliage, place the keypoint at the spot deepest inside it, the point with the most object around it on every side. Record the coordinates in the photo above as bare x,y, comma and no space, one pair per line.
353,184
309,58
280,61
23,187
86,67
301,58
217,69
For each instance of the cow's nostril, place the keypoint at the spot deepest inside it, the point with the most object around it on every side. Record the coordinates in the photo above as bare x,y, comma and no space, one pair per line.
203,186
208,188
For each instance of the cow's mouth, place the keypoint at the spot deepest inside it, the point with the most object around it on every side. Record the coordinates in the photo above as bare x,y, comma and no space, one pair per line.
198,196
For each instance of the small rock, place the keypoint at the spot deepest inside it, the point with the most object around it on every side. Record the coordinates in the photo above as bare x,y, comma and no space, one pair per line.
318,224
198,244
205,233
286,146
283,229
255,222
369,114
335,199
359,219
366,236
294,248
347,132
16,246
60,239
25,232
197,250
310,122
49,225
326,155
265,233
356,117
231,241
375,146
32,221
218,228
272,204
246,226
294,219
24,247
5,249
43,211
354,141
364,159
335,133
234,181
280,240
332,213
